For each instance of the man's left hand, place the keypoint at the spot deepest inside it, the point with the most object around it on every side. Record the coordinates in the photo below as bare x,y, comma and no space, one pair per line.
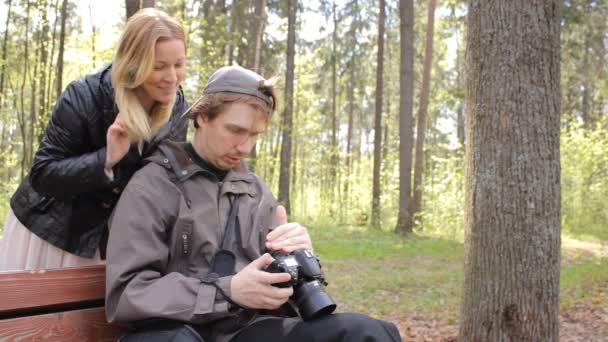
288,236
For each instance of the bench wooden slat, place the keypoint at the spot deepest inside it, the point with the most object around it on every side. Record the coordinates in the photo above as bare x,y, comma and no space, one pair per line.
29,291
78,325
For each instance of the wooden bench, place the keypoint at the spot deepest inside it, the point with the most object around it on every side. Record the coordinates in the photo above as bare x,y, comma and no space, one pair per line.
55,305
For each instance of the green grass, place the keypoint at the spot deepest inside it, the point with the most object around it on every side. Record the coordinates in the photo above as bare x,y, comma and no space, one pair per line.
385,275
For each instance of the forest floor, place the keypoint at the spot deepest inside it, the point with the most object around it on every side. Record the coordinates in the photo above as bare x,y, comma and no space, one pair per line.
583,322
416,283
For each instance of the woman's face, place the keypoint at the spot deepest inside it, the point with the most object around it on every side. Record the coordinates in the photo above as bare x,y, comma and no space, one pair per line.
230,136
168,72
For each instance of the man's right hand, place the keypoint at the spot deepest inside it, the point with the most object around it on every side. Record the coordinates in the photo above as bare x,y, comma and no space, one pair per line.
252,286
118,144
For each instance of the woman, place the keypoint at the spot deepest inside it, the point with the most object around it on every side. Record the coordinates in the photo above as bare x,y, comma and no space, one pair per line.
99,132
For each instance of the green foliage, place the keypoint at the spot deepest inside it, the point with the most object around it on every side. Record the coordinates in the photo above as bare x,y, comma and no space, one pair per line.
443,200
585,180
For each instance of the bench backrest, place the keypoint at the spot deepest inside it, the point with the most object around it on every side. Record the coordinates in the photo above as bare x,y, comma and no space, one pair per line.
55,305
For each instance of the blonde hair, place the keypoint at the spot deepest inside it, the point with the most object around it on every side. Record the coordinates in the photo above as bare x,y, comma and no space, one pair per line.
133,62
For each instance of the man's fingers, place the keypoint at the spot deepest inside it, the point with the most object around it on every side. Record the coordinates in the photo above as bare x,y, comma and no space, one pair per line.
281,215
283,229
262,262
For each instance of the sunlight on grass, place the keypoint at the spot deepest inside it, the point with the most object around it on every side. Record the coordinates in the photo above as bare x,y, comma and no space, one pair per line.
386,275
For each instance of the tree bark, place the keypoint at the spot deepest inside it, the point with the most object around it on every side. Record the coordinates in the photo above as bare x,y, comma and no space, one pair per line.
406,113
257,29
39,120
512,172
333,164
21,115
285,165
257,35
378,119
422,111
4,50
59,84
132,6
93,39
352,84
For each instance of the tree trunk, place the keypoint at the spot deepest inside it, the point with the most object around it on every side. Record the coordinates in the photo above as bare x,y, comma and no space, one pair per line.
93,39
39,121
351,107
512,172
4,50
132,6
460,111
422,110
378,119
257,29
257,33
21,116
285,165
406,113
59,84
48,87
333,164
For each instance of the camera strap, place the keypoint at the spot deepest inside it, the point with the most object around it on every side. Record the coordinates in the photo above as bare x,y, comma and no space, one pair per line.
223,263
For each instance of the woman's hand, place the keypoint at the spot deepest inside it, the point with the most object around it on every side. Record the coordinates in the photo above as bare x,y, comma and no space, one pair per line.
288,236
118,143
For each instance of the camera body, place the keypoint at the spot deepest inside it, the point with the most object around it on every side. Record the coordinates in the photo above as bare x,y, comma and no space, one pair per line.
307,280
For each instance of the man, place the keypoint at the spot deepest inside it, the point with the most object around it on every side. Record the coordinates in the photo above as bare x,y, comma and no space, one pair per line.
186,254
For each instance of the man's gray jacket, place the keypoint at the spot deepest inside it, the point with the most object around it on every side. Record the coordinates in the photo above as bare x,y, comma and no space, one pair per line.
167,226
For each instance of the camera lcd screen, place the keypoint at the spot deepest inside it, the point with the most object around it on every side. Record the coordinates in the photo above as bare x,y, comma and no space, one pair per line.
291,261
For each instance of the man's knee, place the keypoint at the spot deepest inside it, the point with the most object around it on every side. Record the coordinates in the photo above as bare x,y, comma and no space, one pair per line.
366,328
163,333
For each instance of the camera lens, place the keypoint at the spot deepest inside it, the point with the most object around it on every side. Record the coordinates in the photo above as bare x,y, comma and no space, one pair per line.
312,300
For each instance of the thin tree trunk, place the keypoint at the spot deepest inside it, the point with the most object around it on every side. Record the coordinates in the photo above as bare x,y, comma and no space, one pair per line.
285,165
460,112
59,84
44,56
132,6
231,30
422,110
351,110
93,40
4,51
48,87
223,11
22,119
406,110
378,119
257,30
333,163
512,172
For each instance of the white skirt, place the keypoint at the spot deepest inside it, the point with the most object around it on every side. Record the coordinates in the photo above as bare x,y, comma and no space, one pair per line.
20,249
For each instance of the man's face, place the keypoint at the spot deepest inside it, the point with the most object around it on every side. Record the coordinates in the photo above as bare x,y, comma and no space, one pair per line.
230,136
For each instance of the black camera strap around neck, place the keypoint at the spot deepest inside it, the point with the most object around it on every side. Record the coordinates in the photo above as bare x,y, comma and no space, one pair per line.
231,235
224,261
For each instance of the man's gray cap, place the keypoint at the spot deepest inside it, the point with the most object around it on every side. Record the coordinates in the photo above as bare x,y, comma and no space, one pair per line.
236,79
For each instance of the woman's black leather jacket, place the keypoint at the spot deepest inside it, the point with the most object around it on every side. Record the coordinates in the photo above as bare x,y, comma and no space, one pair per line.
67,197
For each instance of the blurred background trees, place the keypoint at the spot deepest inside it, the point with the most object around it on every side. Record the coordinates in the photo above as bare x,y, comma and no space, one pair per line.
344,141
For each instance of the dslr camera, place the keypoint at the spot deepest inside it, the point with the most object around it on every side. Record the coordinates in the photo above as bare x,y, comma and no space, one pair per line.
307,280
